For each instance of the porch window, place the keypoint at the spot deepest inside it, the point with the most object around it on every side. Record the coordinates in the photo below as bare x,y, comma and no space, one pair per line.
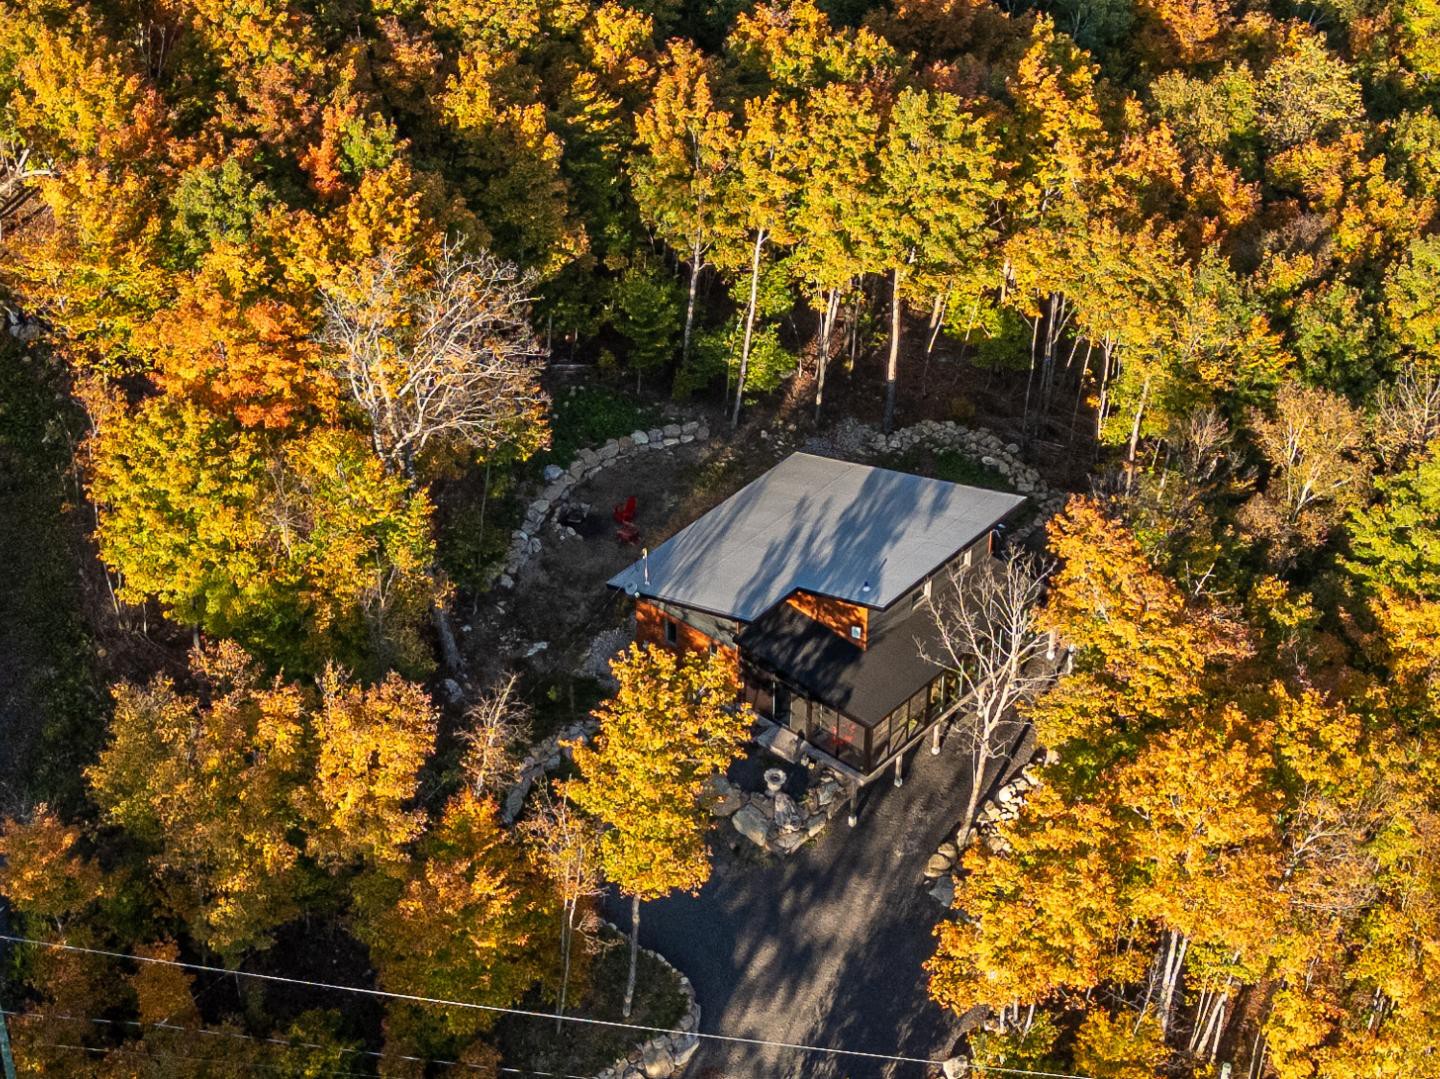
672,631
849,742
758,692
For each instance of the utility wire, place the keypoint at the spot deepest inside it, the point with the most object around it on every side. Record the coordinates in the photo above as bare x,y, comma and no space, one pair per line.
734,1039
181,1056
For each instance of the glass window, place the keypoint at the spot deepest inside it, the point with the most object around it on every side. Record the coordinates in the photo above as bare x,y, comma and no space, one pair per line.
849,742
759,693
672,631
918,706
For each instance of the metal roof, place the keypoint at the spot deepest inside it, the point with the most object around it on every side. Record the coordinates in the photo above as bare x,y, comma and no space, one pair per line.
855,532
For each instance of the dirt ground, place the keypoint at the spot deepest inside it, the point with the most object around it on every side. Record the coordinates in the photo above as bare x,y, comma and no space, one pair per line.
560,596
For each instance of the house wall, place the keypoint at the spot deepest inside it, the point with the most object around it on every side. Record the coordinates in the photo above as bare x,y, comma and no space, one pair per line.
834,614
650,620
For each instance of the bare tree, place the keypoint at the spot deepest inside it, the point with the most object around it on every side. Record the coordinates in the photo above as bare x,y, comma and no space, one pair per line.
437,355
1407,416
18,171
569,848
497,724
986,634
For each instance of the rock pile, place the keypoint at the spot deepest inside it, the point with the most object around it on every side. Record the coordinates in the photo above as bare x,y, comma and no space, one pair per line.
544,756
525,540
1004,806
665,1055
981,445
779,823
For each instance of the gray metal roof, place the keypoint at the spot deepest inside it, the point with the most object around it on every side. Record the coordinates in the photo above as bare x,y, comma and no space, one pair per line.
855,532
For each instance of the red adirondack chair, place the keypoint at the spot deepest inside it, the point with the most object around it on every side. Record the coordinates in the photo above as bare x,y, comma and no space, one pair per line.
624,515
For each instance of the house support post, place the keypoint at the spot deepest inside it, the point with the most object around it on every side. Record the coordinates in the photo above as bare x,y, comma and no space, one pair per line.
899,772
935,741
854,803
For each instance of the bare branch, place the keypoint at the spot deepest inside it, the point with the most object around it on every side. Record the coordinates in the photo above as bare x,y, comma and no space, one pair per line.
498,724
437,355
986,634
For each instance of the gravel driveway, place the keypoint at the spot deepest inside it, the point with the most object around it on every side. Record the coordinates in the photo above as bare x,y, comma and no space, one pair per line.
824,948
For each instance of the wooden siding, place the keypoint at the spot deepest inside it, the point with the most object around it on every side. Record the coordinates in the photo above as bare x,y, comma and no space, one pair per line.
834,614
650,629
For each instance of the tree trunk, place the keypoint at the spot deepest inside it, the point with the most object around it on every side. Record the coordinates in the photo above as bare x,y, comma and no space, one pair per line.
696,265
1135,435
567,938
449,650
749,327
827,325
893,367
634,954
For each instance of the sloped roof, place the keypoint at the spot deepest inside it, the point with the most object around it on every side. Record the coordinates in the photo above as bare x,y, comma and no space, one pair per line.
867,684
854,532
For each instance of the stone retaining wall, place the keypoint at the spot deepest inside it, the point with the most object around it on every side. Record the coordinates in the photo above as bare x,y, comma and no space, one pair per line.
665,1055
544,756
525,540
981,445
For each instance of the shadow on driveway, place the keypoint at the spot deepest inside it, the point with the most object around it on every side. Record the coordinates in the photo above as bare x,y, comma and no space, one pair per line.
824,948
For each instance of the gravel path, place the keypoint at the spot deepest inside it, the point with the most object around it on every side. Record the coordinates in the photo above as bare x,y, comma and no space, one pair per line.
824,948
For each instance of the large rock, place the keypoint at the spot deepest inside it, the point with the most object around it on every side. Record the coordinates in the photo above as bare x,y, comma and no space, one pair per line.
640,438
683,1048
787,842
656,1062
553,473
937,865
751,823
944,890
787,814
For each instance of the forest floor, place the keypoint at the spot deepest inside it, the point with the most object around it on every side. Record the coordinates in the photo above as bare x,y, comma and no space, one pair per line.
49,708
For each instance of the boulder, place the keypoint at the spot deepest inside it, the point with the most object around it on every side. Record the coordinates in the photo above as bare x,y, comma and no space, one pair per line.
689,427
640,438
609,451
656,434
955,1067
727,804
682,1049
948,850
787,814
656,1062
787,842
751,823
944,890
937,865
816,824
553,473
671,430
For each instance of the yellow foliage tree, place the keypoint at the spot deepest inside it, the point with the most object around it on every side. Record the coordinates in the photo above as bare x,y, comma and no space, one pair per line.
671,725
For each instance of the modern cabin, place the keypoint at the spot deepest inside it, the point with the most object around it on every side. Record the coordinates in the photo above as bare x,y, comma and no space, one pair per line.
814,578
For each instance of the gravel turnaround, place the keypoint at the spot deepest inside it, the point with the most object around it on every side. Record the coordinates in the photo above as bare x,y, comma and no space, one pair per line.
823,948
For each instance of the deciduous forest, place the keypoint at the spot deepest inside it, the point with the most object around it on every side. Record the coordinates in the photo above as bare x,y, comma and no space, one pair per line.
286,283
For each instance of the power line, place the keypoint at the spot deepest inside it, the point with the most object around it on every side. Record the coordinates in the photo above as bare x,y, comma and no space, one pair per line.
734,1039
179,1056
